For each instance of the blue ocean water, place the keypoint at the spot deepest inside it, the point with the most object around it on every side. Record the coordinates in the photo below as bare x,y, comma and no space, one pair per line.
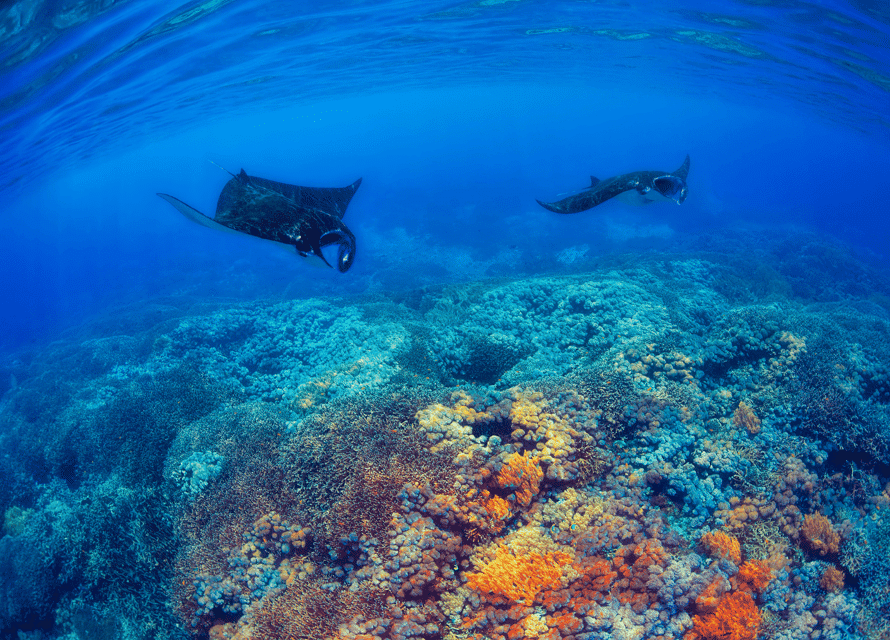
683,362
462,112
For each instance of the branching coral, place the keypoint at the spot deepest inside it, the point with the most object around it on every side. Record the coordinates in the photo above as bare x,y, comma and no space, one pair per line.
743,417
519,579
722,545
832,580
523,475
735,617
819,534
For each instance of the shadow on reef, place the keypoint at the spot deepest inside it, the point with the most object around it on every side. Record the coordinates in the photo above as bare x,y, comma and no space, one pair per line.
644,450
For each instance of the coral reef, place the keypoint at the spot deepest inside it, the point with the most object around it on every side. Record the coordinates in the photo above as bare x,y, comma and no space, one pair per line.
197,470
575,457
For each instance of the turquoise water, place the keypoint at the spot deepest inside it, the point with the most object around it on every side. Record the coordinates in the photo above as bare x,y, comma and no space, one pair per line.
654,421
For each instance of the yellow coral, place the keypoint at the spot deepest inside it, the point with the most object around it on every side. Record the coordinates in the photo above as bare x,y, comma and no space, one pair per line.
450,426
793,344
552,436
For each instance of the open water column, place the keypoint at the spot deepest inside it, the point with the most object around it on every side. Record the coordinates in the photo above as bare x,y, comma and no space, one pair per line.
454,320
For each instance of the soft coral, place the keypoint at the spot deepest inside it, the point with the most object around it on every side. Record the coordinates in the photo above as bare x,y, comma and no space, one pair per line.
735,618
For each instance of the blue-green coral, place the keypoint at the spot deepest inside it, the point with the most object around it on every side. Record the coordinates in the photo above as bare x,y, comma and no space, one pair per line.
197,470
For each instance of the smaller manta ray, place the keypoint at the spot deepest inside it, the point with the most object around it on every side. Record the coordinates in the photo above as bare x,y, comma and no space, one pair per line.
639,187
305,218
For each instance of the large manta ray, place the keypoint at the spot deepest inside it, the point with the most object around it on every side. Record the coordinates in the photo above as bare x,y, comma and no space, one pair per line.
639,187
306,218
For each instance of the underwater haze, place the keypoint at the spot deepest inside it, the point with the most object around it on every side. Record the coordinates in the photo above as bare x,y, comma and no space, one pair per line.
561,385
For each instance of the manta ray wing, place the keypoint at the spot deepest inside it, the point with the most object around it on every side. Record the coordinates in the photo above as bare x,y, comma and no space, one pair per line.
194,215
330,200
260,205
683,171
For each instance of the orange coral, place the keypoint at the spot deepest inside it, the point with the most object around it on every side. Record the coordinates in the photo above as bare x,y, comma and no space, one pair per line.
722,545
754,575
567,623
518,578
523,475
819,535
777,560
709,598
632,564
496,507
735,618
832,579
492,513
593,586
744,417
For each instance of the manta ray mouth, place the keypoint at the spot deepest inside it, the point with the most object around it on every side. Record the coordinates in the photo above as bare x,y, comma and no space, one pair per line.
346,249
671,187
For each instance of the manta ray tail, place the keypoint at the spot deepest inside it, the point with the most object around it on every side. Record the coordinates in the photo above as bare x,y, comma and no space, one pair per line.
223,168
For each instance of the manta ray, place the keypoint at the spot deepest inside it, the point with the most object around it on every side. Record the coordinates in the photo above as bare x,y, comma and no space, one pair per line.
305,218
639,187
